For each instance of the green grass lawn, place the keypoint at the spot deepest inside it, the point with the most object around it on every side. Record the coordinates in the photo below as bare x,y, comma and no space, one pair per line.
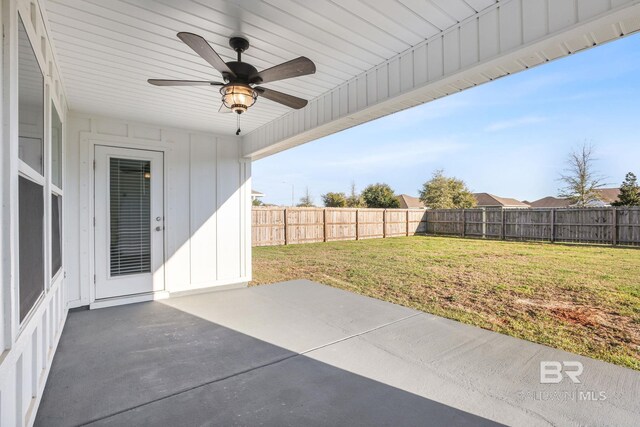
583,299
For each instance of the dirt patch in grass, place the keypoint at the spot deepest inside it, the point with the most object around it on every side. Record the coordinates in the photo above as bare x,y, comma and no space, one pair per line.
577,298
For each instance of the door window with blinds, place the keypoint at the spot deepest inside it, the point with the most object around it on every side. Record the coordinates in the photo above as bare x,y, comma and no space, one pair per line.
130,216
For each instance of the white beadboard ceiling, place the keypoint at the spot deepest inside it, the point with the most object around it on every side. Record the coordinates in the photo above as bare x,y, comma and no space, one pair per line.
106,50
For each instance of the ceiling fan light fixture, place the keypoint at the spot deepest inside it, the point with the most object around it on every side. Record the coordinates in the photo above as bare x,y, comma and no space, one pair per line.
238,97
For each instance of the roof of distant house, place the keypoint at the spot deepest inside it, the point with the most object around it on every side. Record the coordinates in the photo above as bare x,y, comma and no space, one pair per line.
255,193
489,200
410,202
551,202
609,195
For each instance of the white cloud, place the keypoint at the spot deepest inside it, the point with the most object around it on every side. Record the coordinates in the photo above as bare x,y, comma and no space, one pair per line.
512,123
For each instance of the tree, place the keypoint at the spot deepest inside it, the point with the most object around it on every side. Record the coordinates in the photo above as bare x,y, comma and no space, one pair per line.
334,200
580,178
257,202
629,192
442,192
306,201
355,200
380,196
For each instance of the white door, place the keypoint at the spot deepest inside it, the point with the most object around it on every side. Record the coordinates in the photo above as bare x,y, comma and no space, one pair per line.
129,221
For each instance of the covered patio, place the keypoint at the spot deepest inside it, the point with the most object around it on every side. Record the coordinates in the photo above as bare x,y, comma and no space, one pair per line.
116,191
301,353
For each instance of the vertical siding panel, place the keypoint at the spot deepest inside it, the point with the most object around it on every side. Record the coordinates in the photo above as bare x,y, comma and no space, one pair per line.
383,82
451,42
335,103
510,25
353,96
228,221
343,96
372,87
469,43
313,113
394,77
203,210
307,118
320,110
534,19
589,8
488,35
561,14
178,179
361,83
406,71
420,75
328,107
434,63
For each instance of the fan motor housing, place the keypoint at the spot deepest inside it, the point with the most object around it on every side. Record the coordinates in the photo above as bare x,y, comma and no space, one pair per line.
243,71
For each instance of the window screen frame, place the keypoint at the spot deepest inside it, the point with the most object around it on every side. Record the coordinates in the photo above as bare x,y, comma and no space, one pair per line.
41,179
52,277
21,320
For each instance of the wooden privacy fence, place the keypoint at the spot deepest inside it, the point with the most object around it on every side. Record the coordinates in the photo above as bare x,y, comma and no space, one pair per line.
282,226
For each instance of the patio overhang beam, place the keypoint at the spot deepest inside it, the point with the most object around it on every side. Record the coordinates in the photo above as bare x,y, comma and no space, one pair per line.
509,37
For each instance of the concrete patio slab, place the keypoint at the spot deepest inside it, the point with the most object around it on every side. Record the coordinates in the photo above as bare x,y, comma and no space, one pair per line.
299,315
296,392
300,353
116,358
489,374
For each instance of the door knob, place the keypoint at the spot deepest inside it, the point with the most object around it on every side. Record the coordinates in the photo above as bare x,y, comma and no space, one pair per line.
158,218
158,228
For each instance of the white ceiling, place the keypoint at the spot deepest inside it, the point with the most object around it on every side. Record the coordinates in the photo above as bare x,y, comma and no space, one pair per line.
106,50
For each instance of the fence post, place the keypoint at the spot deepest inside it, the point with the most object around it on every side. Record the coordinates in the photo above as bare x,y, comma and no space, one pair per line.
286,234
324,224
407,222
614,227
502,236
553,225
463,223
384,223
357,224
484,223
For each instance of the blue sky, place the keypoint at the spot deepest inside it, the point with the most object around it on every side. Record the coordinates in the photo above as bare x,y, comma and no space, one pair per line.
509,137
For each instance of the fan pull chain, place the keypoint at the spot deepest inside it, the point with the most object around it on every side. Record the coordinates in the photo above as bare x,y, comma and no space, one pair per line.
238,131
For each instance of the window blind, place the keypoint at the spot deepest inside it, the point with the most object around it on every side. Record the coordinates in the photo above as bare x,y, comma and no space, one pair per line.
130,216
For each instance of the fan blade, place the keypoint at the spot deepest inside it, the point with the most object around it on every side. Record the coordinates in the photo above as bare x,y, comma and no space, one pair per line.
295,68
204,49
160,82
224,109
282,98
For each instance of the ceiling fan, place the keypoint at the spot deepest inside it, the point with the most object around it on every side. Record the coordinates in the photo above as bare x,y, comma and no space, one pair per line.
239,90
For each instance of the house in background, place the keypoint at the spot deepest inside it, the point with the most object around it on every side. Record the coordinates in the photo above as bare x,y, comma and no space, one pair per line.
486,200
607,197
255,195
550,202
410,202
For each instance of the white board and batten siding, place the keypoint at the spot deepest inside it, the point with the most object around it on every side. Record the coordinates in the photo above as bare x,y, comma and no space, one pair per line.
207,204
27,347
504,38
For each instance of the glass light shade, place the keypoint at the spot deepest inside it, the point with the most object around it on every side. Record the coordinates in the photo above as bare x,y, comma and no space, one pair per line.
238,97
